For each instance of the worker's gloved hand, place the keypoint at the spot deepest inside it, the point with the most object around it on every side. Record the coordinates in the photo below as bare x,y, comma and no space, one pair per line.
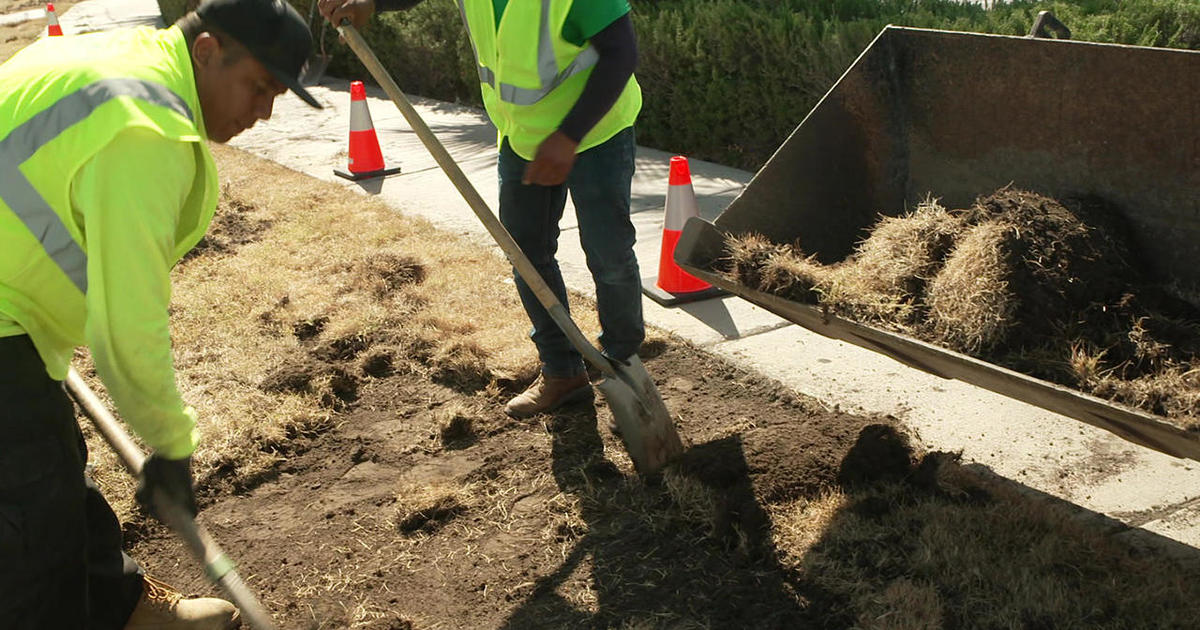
166,480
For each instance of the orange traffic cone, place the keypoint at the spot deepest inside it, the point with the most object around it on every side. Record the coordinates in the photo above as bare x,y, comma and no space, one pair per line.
52,27
365,158
674,285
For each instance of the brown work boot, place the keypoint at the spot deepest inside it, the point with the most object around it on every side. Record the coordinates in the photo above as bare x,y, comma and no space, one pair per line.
548,393
164,608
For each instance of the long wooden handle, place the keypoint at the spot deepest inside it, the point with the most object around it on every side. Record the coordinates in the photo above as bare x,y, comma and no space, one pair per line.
509,246
217,565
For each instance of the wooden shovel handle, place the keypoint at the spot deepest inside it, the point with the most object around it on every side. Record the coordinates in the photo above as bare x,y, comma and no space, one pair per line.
217,566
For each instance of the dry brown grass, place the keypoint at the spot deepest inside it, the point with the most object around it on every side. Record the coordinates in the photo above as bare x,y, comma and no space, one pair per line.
882,281
1173,392
970,305
907,559
886,276
788,275
747,254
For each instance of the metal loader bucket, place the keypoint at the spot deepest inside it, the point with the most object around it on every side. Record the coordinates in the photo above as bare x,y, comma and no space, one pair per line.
959,115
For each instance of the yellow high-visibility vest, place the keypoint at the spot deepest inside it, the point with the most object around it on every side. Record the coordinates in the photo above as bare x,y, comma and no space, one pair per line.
62,100
531,77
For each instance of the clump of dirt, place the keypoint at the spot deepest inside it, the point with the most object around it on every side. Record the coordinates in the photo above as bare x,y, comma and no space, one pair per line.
342,348
306,329
430,518
378,363
1043,286
382,274
342,387
294,376
456,428
881,454
335,387
234,224
1062,256
461,365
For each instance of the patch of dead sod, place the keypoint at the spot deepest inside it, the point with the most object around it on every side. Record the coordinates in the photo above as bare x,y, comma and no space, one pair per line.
384,273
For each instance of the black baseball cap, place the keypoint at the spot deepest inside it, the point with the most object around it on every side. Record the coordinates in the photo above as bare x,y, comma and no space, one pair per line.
271,30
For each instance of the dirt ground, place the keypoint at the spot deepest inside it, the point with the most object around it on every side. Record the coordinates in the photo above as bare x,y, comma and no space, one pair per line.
525,560
393,518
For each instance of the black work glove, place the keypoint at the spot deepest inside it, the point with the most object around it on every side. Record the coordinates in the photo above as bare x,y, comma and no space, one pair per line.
166,480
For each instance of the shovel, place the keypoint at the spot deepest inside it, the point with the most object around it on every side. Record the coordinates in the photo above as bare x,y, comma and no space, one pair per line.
638,410
217,565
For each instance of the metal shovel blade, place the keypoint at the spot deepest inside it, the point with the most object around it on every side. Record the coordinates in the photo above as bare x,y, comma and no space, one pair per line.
641,417
314,69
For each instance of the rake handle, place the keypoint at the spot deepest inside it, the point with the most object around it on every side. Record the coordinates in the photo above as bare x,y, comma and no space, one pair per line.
217,566
509,246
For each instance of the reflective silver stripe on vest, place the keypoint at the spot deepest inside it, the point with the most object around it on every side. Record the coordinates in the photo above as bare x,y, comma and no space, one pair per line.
33,134
548,72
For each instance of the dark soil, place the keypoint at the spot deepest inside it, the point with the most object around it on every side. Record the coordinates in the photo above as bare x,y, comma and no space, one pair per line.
330,509
233,226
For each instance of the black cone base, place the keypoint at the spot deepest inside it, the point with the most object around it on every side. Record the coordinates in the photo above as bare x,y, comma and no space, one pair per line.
355,177
666,298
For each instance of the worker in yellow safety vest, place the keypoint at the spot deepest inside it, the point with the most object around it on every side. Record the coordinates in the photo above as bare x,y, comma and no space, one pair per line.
106,180
557,81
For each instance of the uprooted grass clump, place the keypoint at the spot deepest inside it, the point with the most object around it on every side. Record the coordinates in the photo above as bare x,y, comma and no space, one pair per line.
1044,286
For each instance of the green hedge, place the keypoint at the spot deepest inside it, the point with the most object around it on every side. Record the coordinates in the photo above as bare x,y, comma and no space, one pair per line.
728,80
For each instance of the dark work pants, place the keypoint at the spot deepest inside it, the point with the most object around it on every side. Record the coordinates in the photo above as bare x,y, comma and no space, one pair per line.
599,186
61,564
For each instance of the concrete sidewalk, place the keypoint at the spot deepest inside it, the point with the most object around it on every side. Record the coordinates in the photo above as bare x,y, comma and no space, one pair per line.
1148,496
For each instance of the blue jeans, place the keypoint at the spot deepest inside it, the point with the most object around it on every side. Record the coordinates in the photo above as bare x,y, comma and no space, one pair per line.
599,186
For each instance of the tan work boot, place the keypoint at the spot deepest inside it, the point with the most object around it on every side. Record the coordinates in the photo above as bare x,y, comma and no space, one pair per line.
164,608
548,393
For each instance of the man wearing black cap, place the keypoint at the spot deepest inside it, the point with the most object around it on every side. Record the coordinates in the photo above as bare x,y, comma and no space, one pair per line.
106,181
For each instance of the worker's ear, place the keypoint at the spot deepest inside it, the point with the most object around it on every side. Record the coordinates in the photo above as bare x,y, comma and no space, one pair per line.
205,50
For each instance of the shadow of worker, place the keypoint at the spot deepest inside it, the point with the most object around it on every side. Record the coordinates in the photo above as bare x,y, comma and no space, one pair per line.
692,550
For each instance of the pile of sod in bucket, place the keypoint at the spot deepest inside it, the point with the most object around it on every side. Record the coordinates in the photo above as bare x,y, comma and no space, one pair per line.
1046,287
